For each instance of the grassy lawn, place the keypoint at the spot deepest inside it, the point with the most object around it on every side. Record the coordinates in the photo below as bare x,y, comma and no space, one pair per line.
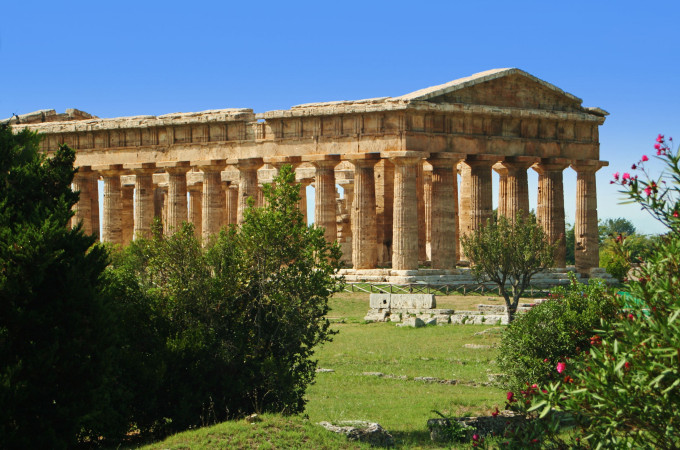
397,400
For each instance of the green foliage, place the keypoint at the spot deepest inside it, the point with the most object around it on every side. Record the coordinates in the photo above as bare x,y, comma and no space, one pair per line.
626,393
509,254
238,320
570,242
553,331
611,228
57,386
620,253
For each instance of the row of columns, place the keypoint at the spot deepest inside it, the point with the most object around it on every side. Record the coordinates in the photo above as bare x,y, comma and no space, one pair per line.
411,190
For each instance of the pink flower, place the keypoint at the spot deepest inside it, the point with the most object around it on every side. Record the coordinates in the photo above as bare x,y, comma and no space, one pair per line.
659,138
546,360
631,316
626,176
534,385
616,176
560,367
648,191
510,396
657,146
644,158
675,214
633,167
475,437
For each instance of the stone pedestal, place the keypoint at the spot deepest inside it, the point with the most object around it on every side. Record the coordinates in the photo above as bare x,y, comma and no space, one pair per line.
550,210
586,251
324,201
405,251
444,240
247,183
177,208
82,182
364,248
144,199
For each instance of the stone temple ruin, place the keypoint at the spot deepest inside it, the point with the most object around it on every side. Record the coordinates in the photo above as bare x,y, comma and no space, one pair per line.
397,159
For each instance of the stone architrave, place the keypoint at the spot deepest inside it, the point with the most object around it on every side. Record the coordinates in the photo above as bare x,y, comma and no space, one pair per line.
177,207
213,205
444,243
481,200
586,251
127,219
111,219
247,183
82,182
516,195
324,199
144,198
550,209
364,233
405,251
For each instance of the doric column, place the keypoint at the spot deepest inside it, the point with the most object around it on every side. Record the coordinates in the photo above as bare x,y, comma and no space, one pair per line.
127,213
213,197
195,212
231,202
82,182
481,201
405,210
94,205
111,219
304,182
144,198
364,234
420,195
502,172
550,208
427,199
247,183
324,199
177,211
444,239
517,186
586,251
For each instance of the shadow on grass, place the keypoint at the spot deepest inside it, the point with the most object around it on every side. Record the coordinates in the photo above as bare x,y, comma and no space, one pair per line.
415,438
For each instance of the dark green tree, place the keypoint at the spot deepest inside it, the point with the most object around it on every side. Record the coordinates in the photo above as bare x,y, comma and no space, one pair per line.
615,227
54,341
509,254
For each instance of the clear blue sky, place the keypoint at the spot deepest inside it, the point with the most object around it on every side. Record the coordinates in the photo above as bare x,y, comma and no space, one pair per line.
144,57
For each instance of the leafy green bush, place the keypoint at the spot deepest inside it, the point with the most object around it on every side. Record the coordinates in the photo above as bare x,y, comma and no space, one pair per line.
237,320
552,331
626,393
56,335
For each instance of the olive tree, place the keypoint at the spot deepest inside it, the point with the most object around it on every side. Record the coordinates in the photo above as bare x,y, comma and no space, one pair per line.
509,254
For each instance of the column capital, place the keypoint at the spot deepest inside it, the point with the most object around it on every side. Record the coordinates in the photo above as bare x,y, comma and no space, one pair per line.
83,171
362,159
588,165
278,161
141,168
445,159
518,162
322,161
551,165
109,170
246,163
175,167
482,160
210,165
403,154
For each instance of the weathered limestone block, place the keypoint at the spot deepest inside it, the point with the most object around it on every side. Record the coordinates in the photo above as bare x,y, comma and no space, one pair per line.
402,301
370,433
414,322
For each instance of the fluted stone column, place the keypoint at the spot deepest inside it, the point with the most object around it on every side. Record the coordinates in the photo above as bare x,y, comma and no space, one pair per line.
94,205
247,183
502,189
144,198
159,204
195,212
586,251
550,210
422,232
82,182
516,186
304,182
231,200
364,233
464,204
324,199
405,250
213,197
177,208
127,219
427,199
111,219
481,201
444,243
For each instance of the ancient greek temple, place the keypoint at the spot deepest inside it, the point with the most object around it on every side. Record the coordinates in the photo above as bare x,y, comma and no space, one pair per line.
397,159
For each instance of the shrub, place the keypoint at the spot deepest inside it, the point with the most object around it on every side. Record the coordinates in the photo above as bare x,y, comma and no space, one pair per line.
56,334
238,320
552,331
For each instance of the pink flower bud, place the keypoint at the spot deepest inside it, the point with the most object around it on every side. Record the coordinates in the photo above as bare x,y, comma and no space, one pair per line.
560,367
657,146
626,176
648,190
644,158
659,138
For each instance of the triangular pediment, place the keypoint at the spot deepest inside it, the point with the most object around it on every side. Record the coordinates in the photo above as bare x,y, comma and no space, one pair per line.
500,87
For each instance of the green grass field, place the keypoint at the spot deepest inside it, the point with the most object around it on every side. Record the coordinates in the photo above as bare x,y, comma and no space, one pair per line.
396,400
